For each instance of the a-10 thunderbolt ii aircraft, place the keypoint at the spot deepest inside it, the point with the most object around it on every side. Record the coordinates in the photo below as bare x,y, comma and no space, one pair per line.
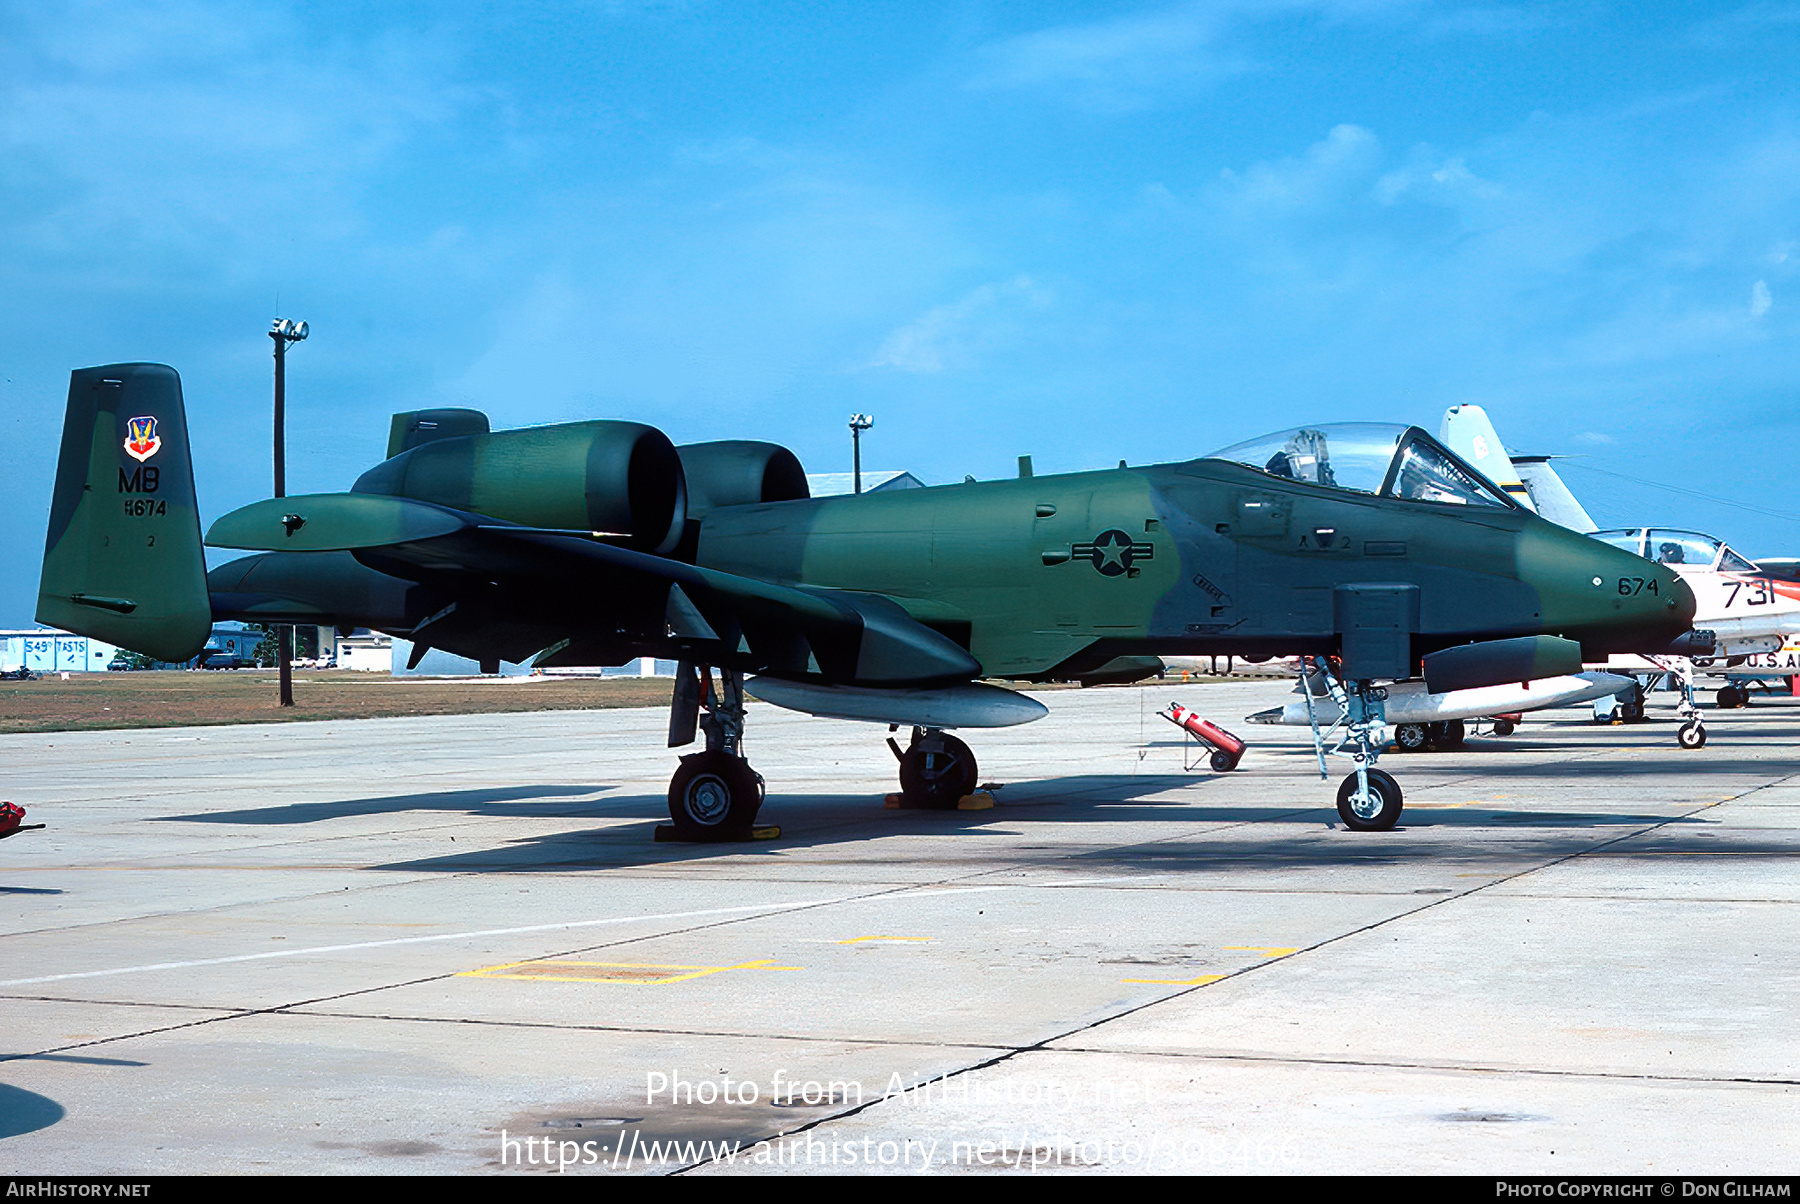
1367,547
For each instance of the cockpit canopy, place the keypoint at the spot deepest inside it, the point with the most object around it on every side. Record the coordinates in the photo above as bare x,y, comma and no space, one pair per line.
1384,459
1677,549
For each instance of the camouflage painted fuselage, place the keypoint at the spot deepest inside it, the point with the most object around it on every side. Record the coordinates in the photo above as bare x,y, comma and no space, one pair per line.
1053,576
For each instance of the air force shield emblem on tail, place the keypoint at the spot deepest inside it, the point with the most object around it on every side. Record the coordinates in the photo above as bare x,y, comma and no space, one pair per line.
141,439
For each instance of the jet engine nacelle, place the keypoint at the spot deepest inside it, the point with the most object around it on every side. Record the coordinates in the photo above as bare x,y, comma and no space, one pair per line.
618,478
740,472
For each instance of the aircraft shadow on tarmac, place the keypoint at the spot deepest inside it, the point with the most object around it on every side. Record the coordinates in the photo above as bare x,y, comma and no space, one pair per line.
515,801
823,821
23,1111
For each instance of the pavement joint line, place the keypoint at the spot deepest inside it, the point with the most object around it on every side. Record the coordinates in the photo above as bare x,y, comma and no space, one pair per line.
239,1014
760,1034
1454,1068
1709,899
1043,1044
148,1032
124,1003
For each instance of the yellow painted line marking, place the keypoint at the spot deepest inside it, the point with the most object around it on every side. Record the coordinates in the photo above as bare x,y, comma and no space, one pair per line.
857,940
1178,982
1271,950
632,973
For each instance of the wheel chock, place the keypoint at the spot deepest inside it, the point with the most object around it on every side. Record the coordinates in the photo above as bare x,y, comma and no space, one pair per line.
894,802
666,833
981,800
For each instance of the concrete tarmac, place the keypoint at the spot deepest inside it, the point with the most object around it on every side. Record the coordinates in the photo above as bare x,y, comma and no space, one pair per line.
450,945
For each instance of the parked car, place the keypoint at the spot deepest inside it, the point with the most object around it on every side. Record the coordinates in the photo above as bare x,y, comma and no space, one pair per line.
226,662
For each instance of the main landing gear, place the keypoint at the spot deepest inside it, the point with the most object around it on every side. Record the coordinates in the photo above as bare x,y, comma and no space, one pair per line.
937,770
1368,800
1426,737
715,795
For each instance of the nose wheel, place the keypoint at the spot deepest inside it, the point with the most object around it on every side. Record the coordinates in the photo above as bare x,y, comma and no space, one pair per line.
1369,800
1372,805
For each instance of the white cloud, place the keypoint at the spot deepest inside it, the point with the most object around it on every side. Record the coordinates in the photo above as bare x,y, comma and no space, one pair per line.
1760,299
175,131
946,334
1422,179
1112,62
1348,155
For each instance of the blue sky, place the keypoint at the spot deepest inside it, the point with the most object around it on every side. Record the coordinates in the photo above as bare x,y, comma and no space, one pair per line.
1088,232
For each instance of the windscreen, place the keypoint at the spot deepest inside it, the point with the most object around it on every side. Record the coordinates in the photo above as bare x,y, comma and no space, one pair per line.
1683,548
1351,455
1368,457
1427,473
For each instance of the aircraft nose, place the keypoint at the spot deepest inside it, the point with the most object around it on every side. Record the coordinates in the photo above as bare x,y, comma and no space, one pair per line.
1609,599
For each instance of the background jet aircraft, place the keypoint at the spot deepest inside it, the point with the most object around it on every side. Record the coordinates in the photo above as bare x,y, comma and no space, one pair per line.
1366,547
1750,611
1422,719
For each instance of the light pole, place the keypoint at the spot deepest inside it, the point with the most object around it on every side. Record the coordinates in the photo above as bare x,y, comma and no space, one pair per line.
283,332
858,424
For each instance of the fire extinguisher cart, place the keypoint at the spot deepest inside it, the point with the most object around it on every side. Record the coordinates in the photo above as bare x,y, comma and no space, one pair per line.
1218,747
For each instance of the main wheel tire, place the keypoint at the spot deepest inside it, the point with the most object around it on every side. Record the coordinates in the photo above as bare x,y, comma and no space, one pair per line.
714,796
1446,734
1503,727
938,779
1632,712
1377,813
1691,735
1411,737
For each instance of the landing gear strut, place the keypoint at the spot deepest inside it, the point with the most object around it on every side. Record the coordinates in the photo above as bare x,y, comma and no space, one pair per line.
1693,727
1692,733
715,795
1369,800
937,770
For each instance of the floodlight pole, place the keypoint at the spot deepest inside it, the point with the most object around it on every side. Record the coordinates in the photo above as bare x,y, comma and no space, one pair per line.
283,332
858,424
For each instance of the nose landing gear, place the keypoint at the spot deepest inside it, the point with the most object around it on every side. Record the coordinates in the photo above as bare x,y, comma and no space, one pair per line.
1369,800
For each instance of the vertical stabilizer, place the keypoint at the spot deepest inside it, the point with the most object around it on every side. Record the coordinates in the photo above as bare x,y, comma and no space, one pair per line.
1551,497
1467,432
123,560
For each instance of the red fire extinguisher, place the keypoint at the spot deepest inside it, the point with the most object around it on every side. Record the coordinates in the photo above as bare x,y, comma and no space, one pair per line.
1227,748
12,818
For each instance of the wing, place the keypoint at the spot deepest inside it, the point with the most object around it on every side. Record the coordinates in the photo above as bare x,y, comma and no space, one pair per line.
493,590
